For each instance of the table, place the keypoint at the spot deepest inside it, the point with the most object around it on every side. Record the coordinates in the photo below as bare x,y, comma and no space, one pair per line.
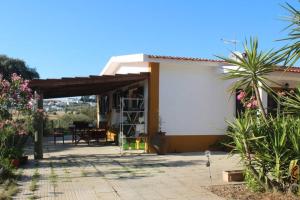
88,134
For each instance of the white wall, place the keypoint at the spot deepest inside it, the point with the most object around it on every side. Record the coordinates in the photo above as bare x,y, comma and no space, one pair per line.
193,100
133,68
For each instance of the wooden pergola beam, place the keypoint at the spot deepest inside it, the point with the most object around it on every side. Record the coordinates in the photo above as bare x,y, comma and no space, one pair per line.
83,91
79,81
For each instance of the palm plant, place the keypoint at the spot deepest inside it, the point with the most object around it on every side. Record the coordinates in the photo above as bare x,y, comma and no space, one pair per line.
292,51
252,69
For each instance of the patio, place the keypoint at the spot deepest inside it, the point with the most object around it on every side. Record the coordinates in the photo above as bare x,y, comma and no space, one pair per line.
99,172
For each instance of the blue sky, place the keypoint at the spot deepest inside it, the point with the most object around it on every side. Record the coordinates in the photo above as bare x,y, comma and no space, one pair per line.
77,37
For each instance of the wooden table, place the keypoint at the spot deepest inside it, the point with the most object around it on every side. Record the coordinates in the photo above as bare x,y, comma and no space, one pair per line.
88,134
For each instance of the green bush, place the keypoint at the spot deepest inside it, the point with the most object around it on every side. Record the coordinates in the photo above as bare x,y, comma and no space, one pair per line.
86,114
251,182
267,149
6,170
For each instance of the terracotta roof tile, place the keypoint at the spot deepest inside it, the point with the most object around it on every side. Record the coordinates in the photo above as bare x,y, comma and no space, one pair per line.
290,69
185,58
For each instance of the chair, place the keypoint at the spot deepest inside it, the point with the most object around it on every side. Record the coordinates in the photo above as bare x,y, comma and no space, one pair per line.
81,131
58,132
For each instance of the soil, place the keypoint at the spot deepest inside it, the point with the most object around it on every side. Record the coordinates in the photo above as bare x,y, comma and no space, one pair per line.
240,192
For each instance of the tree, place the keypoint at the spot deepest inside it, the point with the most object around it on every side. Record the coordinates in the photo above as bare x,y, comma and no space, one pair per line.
85,99
252,68
8,66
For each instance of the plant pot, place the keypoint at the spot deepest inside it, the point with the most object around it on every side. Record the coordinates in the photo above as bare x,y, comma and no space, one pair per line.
163,143
23,160
15,163
233,176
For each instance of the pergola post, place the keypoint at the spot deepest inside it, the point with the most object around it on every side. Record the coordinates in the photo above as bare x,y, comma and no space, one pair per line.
38,128
98,110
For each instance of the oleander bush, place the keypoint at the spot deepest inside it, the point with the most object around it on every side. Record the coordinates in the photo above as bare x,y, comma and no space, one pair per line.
16,103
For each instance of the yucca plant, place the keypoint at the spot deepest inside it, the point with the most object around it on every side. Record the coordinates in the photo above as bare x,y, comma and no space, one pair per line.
291,102
243,133
252,68
267,149
292,51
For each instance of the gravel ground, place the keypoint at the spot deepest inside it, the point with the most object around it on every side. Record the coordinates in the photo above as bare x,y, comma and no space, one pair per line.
240,192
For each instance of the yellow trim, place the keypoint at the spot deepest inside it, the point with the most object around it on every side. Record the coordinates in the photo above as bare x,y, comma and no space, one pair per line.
153,102
191,143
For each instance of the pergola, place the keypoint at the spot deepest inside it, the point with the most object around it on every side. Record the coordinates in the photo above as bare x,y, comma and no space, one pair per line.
75,86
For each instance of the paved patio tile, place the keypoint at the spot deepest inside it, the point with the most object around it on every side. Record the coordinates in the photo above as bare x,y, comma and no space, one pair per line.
99,172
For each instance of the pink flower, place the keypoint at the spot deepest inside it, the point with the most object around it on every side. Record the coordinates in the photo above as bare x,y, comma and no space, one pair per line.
241,95
29,105
249,105
254,104
281,93
25,88
5,84
15,77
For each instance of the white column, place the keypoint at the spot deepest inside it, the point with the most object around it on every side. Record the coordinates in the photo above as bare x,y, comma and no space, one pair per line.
264,98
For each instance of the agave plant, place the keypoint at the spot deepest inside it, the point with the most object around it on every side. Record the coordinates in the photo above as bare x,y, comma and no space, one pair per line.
252,68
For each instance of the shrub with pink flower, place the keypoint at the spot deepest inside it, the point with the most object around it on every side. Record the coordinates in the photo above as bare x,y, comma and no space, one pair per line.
249,103
14,96
16,102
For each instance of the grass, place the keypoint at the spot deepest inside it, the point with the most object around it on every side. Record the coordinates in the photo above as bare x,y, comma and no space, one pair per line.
67,175
83,173
53,178
33,197
34,182
10,189
67,171
33,186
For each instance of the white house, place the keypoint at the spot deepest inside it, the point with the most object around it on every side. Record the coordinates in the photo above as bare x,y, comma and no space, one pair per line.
184,97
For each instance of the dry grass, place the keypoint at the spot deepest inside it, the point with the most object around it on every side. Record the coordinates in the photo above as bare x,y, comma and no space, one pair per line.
58,115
